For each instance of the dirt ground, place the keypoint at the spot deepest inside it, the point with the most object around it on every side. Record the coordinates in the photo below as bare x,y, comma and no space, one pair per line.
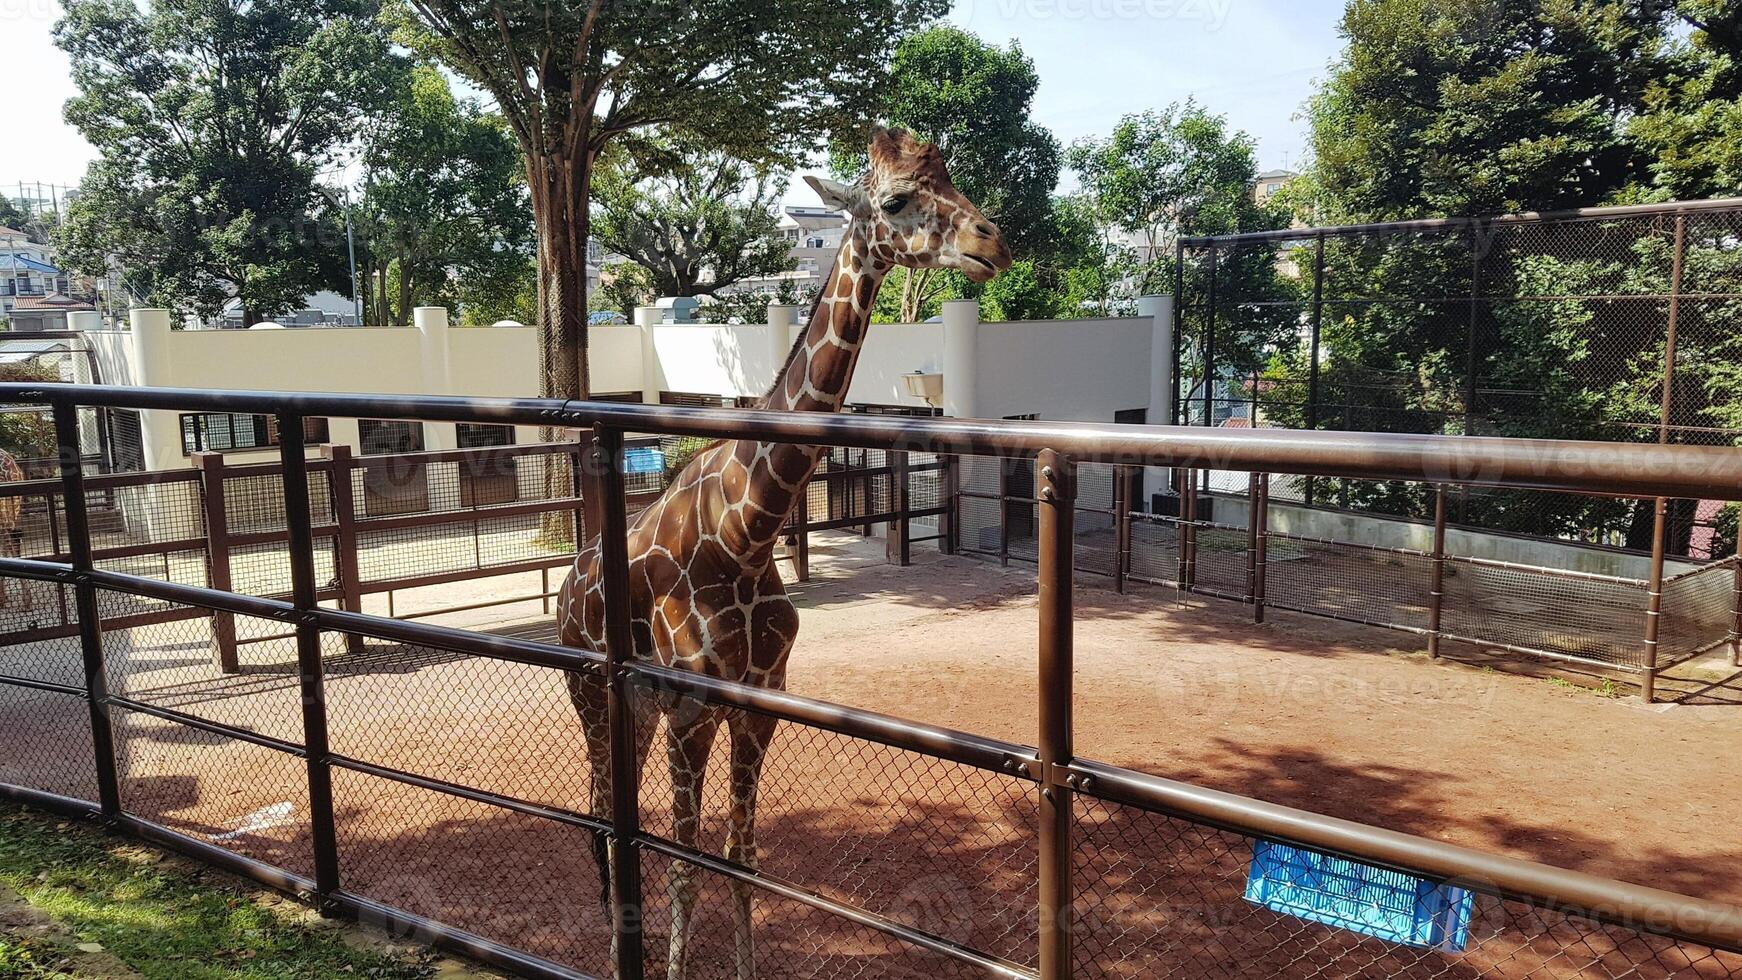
1337,719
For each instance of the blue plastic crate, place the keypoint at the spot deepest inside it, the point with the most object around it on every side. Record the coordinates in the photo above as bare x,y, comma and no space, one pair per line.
1361,898
643,459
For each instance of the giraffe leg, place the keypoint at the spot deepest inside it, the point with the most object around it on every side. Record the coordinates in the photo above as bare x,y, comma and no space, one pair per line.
687,746
590,698
751,735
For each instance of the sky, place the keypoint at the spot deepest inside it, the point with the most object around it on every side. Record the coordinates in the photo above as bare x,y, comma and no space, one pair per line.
1254,61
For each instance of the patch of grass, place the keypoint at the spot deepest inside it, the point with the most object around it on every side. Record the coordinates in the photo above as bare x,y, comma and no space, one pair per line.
1607,689
25,959
164,919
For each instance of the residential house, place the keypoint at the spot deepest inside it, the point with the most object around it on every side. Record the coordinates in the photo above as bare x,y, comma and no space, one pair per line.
814,236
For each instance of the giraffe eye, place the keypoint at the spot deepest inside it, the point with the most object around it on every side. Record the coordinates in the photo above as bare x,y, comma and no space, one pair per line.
894,205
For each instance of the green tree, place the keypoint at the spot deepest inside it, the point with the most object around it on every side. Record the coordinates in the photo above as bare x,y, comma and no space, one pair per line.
1160,175
755,79
1480,106
444,203
10,216
696,219
211,120
972,99
1690,124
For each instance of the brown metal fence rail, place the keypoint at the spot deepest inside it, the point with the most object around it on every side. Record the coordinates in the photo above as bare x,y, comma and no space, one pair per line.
1063,867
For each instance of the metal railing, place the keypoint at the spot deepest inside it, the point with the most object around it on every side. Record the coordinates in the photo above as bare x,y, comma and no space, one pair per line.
1084,869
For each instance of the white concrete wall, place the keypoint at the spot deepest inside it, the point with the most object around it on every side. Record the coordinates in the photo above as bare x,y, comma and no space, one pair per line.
1063,370
1313,522
1074,370
892,350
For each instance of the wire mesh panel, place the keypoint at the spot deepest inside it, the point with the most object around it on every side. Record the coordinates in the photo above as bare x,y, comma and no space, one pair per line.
790,939
882,829
175,666
1164,897
1589,617
491,725
1349,581
1698,610
526,882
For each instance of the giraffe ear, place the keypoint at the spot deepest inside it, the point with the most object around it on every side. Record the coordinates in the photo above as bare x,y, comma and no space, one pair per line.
841,197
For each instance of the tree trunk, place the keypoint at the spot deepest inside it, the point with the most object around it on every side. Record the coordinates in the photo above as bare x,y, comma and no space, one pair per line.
560,190
404,293
383,313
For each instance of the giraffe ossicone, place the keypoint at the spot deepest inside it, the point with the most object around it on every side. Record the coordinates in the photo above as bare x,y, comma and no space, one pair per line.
704,591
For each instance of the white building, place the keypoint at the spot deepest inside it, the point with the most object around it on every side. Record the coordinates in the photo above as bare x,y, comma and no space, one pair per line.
1080,370
814,235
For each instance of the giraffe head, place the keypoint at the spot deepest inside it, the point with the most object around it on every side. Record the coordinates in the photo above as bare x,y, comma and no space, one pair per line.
913,215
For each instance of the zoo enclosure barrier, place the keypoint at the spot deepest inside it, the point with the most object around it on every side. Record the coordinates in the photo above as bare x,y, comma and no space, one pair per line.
385,524
1611,324
1228,545
1078,869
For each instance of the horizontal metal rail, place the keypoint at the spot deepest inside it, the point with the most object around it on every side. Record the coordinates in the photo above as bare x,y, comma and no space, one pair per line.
1457,224
1620,469
1636,906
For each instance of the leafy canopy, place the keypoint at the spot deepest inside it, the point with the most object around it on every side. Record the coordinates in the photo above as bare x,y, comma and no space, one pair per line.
698,220
212,119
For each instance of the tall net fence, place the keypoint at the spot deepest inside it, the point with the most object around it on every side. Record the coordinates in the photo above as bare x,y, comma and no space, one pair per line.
1616,325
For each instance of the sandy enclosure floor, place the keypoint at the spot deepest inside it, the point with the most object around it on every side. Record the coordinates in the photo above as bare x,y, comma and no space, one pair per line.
1342,720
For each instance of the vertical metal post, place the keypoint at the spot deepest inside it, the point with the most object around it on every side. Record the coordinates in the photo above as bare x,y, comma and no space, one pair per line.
1122,481
1660,507
1057,536
1312,408
66,430
1210,346
950,524
896,546
802,560
341,488
1181,492
1666,414
1252,538
1176,404
217,515
1191,530
1437,590
1736,607
607,464
1263,524
322,832
587,516
1004,512
1654,600
1471,361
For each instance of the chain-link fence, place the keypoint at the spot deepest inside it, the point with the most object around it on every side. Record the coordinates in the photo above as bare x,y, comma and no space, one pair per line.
1617,324
438,781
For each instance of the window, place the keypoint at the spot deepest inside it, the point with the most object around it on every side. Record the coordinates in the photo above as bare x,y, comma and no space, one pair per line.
909,411
487,478
126,445
477,436
222,432
815,241
394,486
689,399
622,397
380,437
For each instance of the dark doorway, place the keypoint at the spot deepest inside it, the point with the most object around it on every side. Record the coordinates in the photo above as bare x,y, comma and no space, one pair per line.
397,486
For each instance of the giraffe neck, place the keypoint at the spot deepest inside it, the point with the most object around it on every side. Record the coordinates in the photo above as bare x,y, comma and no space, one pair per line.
815,379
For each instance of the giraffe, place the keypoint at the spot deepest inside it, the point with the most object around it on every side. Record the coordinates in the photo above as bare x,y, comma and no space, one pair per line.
704,592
